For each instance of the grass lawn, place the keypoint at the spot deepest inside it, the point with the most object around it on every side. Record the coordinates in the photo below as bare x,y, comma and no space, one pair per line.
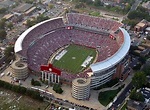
74,58
13,101
106,97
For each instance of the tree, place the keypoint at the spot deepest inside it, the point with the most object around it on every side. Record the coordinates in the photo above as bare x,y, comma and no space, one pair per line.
41,18
2,34
139,79
10,25
50,6
148,37
35,83
146,69
32,81
9,51
29,1
140,13
30,23
57,88
97,3
3,10
136,96
80,5
2,23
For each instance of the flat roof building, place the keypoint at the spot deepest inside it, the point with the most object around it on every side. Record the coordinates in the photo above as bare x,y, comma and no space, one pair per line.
134,105
7,3
8,16
23,8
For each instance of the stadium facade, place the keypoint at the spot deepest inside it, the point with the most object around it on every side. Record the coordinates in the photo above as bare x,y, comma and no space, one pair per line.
38,43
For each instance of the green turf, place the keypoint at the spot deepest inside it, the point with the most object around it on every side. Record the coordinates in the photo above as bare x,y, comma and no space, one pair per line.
80,53
106,97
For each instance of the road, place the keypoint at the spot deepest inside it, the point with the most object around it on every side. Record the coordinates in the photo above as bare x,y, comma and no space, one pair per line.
133,7
121,98
62,102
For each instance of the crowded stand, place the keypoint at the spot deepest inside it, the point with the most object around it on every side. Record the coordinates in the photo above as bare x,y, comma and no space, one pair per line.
38,31
46,38
39,53
99,23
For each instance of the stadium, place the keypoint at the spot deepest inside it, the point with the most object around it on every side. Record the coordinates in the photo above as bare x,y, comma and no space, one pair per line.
76,46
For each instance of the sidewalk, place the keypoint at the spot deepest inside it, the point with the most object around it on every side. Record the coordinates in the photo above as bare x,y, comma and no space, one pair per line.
110,88
91,103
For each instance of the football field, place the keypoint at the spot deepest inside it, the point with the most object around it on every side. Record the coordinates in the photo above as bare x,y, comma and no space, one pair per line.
74,58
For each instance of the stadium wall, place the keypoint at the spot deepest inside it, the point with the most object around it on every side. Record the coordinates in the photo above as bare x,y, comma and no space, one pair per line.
112,67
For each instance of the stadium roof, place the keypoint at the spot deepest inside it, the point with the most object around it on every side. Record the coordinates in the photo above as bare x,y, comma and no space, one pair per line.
116,58
18,43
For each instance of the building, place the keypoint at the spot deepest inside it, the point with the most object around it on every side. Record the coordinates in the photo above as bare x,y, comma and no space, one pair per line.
50,74
7,3
145,52
81,88
28,12
134,105
19,70
141,26
23,8
37,46
147,30
8,16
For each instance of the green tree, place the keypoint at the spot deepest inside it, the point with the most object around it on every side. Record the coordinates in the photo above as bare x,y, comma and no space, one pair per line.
146,69
2,23
41,18
3,10
32,81
97,3
35,83
29,1
136,96
80,5
148,37
140,13
9,51
139,79
10,25
57,88
50,6
30,23
2,34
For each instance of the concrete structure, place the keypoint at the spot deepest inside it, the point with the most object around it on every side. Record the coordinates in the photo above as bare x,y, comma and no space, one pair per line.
8,16
112,66
50,74
50,77
19,69
109,67
23,8
141,26
81,88
148,30
146,5
28,12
